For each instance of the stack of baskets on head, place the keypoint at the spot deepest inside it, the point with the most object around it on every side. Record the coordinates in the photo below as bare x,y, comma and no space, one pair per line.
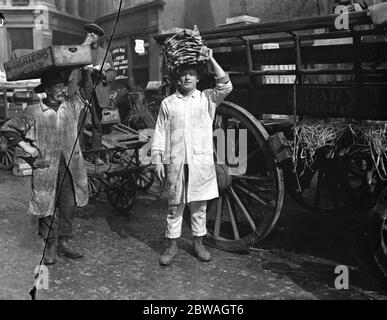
184,48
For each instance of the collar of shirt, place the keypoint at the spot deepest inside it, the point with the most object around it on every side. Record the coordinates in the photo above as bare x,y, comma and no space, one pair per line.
194,95
45,105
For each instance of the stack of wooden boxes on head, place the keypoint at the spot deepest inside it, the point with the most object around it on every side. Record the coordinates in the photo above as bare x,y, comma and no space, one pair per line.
31,66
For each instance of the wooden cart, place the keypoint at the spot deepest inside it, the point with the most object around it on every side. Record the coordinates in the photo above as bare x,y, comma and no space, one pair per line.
122,173
327,73
14,98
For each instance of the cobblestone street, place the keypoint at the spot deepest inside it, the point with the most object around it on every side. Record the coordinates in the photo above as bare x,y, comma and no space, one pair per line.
297,261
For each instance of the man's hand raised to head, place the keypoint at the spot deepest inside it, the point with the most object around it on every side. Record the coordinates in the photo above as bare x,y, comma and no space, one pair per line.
205,54
87,41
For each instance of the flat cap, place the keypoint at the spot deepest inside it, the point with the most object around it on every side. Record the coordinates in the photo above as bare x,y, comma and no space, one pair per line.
52,77
94,28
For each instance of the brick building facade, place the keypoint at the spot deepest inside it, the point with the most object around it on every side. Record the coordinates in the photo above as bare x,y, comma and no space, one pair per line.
35,24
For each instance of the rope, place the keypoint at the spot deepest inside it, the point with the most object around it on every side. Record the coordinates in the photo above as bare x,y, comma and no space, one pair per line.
34,290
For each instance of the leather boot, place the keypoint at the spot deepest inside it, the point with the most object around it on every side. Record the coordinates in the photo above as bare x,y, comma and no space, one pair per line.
167,257
65,250
50,254
200,251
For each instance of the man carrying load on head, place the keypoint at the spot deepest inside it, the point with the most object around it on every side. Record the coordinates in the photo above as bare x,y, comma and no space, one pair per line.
47,132
183,141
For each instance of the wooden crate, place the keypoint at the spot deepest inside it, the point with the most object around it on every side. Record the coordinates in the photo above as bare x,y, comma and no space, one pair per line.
32,65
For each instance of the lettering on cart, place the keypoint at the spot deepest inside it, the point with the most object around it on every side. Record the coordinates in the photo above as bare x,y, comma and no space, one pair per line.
326,101
342,102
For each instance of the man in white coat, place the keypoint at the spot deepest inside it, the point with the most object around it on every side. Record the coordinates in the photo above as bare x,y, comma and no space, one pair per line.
183,142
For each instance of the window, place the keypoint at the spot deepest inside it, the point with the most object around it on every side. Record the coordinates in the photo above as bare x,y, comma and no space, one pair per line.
20,38
58,4
61,38
70,6
20,2
83,9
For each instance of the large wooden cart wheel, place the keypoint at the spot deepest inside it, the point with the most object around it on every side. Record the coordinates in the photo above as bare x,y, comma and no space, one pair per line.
130,159
362,181
328,185
250,203
378,237
121,192
7,154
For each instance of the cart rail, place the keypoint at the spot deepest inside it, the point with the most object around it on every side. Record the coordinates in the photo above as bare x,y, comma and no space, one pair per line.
337,73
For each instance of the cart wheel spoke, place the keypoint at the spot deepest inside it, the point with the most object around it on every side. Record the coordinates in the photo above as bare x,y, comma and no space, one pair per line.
94,187
8,160
378,237
243,209
6,154
252,154
218,219
232,218
252,195
252,186
317,195
122,193
250,178
145,178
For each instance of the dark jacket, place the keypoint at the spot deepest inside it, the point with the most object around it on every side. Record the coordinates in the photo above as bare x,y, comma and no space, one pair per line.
102,92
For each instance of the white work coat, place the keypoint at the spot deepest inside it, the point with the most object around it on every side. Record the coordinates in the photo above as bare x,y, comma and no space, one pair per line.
184,135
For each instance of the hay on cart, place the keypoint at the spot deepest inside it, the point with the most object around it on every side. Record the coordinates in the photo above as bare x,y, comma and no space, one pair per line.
338,135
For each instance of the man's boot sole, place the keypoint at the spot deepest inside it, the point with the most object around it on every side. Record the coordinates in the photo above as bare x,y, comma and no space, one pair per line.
200,258
49,263
66,255
167,264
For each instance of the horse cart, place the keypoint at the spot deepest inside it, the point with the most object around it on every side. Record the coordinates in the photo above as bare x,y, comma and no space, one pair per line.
324,147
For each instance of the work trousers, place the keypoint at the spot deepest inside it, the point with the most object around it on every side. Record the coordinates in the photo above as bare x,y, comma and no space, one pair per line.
62,221
198,216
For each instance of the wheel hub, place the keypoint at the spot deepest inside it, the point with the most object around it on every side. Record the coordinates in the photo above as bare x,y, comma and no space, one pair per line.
223,177
3,147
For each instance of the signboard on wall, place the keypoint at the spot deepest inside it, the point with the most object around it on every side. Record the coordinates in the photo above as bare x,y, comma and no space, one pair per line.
121,62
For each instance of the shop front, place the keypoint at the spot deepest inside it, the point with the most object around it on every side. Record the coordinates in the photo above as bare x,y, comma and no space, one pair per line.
135,53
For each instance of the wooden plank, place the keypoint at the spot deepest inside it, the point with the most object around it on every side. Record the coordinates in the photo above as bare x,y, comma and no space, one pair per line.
356,18
368,36
327,54
336,101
